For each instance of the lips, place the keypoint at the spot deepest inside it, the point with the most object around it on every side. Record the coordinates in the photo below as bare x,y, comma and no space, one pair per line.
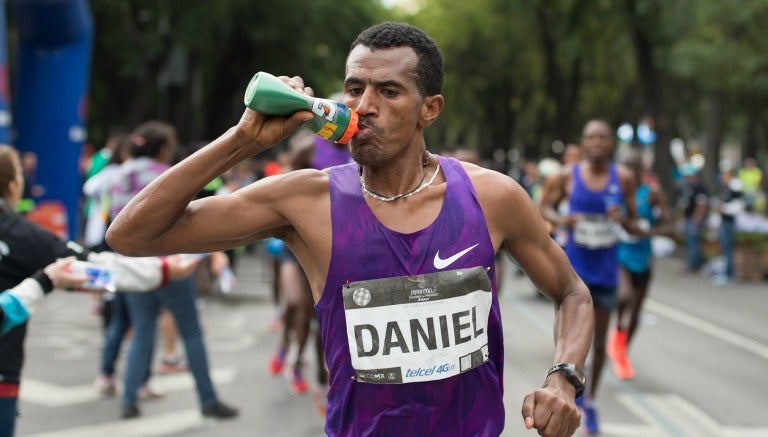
364,132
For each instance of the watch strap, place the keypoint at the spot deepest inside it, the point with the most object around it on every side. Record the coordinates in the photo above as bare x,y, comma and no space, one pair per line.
572,374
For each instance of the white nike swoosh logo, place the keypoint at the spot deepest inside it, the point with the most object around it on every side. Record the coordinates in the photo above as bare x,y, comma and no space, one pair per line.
443,263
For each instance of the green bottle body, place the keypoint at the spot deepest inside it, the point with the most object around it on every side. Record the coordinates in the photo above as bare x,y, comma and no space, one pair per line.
333,120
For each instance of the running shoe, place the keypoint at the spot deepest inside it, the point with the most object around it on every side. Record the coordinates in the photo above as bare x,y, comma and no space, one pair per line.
591,425
277,361
721,281
105,385
611,346
147,392
220,410
588,415
617,351
171,365
298,384
623,368
130,412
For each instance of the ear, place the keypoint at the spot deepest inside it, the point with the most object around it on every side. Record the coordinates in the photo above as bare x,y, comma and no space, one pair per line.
430,109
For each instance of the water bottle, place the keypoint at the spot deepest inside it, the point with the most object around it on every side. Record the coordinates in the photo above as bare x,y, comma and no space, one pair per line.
334,121
100,278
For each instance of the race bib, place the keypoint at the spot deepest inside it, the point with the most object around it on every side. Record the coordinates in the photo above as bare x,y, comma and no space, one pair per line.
418,328
595,232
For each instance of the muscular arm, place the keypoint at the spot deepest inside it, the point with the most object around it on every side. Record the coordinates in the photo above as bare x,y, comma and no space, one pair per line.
524,235
546,265
553,193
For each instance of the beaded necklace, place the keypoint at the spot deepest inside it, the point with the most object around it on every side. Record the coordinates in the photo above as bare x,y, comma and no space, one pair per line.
418,188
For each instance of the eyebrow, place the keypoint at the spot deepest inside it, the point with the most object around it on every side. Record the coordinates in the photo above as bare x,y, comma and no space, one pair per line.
379,84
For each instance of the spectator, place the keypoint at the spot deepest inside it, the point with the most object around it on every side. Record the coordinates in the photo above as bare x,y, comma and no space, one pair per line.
693,203
751,177
29,248
152,144
730,205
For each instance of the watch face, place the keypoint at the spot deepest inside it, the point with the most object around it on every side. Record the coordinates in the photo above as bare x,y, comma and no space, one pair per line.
578,374
573,374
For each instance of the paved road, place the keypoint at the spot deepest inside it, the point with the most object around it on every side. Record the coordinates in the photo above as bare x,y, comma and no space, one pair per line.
701,358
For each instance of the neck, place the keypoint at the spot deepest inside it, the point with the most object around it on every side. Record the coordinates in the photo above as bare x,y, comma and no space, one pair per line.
412,188
400,177
599,165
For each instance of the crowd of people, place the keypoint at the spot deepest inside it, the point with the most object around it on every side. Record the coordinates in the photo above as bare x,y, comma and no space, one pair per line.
613,219
583,233
31,267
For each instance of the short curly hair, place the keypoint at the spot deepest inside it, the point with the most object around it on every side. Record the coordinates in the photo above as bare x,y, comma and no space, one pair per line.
389,35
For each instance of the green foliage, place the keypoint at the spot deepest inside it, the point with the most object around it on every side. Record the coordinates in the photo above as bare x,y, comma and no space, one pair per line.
519,74
189,61
527,72
725,48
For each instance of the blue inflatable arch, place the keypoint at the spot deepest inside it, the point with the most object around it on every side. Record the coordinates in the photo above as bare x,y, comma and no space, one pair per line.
49,103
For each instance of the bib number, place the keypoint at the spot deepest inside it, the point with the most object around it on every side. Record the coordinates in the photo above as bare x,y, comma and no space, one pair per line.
418,328
595,232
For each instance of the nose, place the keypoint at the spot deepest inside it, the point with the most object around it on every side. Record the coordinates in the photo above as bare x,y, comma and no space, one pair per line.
365,104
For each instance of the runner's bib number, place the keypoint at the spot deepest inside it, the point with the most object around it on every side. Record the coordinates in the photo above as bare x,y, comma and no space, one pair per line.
418,328
594,232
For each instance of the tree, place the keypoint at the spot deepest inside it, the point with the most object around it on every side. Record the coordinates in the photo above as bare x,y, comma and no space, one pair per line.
722,51
189,63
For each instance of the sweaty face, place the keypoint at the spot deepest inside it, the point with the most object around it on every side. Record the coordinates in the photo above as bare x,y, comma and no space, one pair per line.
381,86
597,141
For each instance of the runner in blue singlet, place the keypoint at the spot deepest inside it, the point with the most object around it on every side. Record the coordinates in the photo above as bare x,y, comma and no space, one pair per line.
600,202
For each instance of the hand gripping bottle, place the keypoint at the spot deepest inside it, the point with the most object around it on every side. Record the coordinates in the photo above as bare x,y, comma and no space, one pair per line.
333,121
100,278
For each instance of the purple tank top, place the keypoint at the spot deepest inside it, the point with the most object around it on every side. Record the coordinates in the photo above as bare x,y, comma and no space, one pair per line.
596,264
469,403
327,154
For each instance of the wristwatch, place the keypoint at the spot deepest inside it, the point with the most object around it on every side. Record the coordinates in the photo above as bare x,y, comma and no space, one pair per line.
572,374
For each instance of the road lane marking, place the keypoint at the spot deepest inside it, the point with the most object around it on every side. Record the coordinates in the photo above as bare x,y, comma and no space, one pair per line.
148,426
664,415
702,325
687,419
54,395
